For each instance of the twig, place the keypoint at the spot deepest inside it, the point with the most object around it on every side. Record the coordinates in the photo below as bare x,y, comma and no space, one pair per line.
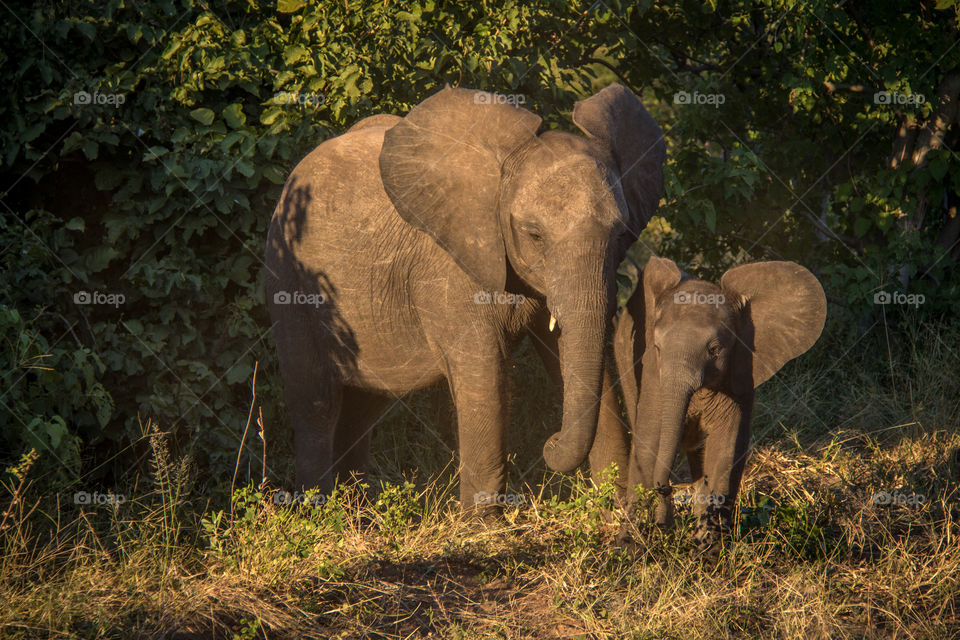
853,88
626,83
263,438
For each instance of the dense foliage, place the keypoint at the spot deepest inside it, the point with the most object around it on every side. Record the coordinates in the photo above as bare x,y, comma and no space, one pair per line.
144,146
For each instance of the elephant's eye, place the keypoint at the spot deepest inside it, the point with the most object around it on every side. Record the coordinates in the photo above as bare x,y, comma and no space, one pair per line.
715,350
535,235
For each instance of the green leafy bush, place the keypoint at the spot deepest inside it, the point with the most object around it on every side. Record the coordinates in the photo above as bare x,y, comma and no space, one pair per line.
144,147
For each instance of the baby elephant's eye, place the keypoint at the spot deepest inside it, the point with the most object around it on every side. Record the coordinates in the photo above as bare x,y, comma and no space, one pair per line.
715,350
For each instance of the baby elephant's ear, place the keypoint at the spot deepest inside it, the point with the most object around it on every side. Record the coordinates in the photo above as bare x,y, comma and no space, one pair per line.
784,309
659,276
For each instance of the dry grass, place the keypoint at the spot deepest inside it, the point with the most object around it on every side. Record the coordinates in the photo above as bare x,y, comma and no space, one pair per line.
811,556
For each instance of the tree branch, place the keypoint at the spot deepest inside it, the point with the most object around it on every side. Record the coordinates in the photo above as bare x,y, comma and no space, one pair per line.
853,88
587,60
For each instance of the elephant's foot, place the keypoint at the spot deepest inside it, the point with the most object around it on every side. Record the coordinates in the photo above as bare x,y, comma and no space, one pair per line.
487,515
625,540
712,527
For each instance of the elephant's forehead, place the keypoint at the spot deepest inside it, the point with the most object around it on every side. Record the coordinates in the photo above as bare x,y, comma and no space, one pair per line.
695,304
574,188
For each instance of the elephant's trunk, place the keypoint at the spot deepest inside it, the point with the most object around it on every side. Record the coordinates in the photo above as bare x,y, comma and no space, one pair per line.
582,305
675,390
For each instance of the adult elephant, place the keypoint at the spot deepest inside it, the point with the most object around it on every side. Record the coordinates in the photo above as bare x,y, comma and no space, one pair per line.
413,249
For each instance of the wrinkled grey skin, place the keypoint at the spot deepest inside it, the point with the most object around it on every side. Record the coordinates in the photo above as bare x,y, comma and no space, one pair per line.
689,355
416,231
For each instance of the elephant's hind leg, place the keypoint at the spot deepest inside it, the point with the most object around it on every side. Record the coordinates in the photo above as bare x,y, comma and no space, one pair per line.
313,392
314,409
360,413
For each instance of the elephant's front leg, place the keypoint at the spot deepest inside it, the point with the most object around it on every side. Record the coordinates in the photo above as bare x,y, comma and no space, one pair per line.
478,383
727,443
610,444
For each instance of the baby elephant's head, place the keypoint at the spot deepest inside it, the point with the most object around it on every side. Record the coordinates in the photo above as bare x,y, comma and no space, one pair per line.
696,352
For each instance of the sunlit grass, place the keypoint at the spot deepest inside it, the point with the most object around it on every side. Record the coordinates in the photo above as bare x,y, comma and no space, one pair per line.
812,553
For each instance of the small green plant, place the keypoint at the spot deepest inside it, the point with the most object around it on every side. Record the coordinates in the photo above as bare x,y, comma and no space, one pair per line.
398,507
20,471
248,629
586,517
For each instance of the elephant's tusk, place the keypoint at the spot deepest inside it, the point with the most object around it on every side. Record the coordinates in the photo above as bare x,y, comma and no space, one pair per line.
553,322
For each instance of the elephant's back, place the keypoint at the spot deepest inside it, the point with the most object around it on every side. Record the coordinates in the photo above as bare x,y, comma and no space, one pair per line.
336,233
333,206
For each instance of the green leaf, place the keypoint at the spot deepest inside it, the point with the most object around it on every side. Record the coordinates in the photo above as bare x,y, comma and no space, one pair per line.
90,149
861,225
155,152
270,115
293,53
107,179
273,174
234,116
172,48
87,29
710,216
231,139
34,132
289,6
938,168
202,115
245,168
55,430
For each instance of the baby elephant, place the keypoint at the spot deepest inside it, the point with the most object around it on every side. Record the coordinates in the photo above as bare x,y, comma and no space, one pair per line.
689,355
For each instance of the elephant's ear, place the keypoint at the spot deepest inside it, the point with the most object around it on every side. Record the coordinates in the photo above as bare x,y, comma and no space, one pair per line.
783,309
440,167
659,276
617,119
